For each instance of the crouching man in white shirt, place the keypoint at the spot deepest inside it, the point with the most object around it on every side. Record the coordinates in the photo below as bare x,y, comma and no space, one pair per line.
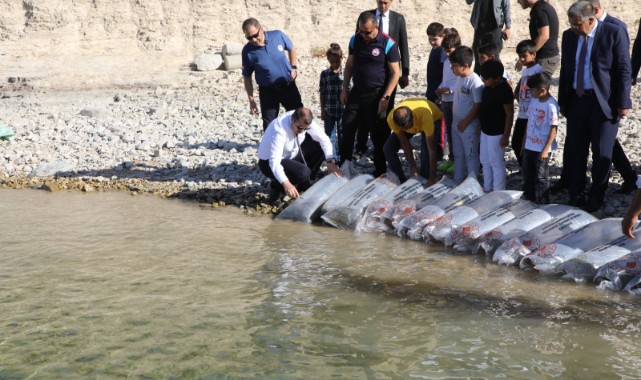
291,152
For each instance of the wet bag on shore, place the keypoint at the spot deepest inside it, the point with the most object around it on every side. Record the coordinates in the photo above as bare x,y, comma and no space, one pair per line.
347,214
622,274
406,207
307,208
491,240
442,226
511,252
346,192
412,226
548,257
376,216
585,265
464,236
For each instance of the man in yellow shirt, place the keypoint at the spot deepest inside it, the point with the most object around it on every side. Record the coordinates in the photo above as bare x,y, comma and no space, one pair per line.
408,118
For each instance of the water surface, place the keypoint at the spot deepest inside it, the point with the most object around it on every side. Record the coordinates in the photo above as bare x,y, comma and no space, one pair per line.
108,285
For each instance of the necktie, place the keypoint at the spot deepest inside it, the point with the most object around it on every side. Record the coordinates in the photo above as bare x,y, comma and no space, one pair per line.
580,74
380,23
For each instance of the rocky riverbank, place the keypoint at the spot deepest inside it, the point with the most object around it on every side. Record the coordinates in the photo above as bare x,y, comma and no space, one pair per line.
192,140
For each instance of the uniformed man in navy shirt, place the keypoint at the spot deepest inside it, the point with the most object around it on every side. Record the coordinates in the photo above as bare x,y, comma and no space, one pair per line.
275,72
373,65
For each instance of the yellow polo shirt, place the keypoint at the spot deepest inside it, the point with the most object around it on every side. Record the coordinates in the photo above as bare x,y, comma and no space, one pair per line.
424,113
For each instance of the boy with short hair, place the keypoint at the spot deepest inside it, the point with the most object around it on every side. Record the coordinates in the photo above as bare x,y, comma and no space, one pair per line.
468,93
526,50
539,141
450,42
435,33
496,117
490,52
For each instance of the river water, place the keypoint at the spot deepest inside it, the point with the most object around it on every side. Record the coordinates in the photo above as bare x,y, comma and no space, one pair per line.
108,285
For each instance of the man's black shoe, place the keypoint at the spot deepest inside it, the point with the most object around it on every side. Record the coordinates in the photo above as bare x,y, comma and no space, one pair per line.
592,206
558,187
274,194
576,201
627,187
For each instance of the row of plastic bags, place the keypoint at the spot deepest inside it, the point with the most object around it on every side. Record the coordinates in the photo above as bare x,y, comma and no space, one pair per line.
552,239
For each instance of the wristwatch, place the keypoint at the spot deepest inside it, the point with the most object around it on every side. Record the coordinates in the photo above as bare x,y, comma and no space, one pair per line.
294,67
386,97
330,160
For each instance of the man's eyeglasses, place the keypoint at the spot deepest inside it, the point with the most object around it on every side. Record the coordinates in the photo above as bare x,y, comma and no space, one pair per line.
301,127
249,38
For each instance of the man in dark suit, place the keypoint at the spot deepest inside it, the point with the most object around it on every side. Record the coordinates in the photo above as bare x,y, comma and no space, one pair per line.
594,93
393,24
492,21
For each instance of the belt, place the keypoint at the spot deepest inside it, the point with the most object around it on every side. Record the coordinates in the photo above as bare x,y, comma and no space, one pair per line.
368,90
589,92
277,87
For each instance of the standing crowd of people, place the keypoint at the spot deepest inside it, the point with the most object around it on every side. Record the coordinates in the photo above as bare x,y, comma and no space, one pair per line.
467,117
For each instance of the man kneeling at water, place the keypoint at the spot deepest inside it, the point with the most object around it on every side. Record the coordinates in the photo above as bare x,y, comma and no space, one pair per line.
291,152
408,118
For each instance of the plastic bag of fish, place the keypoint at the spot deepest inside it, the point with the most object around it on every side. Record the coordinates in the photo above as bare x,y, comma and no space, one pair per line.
511,252
442,227
412,226
347,214
491,240
464,236
547,258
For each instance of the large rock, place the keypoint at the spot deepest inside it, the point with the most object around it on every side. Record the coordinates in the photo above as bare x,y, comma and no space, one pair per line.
208,62
232,48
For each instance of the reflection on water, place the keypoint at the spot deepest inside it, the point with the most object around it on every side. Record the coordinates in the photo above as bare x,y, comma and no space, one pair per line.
109,285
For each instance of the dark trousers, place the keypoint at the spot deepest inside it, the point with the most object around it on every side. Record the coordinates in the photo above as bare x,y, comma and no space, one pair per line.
271,97
536,177
520,127
363,132
299,171
587,125
485,35
362,109
392,145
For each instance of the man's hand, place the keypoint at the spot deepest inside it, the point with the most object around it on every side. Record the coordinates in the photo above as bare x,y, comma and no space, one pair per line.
543,155
252,107
623,112
462,125
334,169
290,189
403,81
382,105
507,33
344,97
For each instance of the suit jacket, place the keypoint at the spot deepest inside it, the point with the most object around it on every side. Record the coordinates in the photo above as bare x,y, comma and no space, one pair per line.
610,68
636,54
398,32
501,13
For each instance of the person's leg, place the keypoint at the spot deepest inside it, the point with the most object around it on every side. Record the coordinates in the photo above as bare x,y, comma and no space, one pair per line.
622,164
290,98
424,170
577,144
603,136
297,172
391,147
379,132
520,128
447,115
470,139
542,185
484,156
528,170
269,105
459,154
351,120
549,64
263,166
496,155
313,153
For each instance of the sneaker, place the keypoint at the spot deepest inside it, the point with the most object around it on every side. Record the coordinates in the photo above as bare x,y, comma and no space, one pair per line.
445,165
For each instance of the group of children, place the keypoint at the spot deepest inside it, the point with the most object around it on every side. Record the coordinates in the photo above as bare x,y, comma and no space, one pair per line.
478,110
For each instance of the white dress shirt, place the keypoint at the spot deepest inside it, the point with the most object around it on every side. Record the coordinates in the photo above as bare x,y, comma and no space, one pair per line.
385,27
280,141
